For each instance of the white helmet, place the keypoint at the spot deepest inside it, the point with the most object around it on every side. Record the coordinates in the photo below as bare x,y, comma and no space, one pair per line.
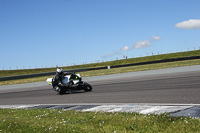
59,70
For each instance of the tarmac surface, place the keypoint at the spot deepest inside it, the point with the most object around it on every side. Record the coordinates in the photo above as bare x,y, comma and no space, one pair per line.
156,89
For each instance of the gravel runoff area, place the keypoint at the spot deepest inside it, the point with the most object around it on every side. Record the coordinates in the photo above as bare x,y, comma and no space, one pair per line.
188,110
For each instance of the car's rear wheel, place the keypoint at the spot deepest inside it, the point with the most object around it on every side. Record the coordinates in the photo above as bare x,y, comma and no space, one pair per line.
60,91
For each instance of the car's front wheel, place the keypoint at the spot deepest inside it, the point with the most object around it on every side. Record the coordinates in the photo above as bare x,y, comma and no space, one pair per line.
87,87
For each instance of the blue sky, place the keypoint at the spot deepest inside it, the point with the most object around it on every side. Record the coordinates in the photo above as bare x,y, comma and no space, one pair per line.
46,33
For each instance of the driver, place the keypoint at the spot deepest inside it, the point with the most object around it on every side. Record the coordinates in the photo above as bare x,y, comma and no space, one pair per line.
59,76
57,80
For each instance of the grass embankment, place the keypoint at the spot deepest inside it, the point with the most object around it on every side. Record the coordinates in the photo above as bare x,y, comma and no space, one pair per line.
4,73
108,71
43,120
112,71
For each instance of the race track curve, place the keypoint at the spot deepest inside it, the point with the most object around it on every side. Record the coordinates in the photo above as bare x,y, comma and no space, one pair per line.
175,85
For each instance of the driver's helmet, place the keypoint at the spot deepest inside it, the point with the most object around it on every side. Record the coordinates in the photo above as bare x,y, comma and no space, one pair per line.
59,70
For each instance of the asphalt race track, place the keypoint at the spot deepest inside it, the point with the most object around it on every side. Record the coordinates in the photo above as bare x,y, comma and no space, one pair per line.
174,85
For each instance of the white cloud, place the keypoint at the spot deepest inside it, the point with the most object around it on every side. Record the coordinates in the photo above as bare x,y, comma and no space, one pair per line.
142,44
155,38
139,44
106,56
125,48
110,55
117,53
189,24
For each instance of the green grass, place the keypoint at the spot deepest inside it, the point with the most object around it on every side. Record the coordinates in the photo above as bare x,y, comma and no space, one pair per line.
141,68
110,63
44,120
111,71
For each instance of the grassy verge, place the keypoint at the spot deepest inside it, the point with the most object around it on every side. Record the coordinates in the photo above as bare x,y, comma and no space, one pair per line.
43,120
22,81
112,71
141,68
103,64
